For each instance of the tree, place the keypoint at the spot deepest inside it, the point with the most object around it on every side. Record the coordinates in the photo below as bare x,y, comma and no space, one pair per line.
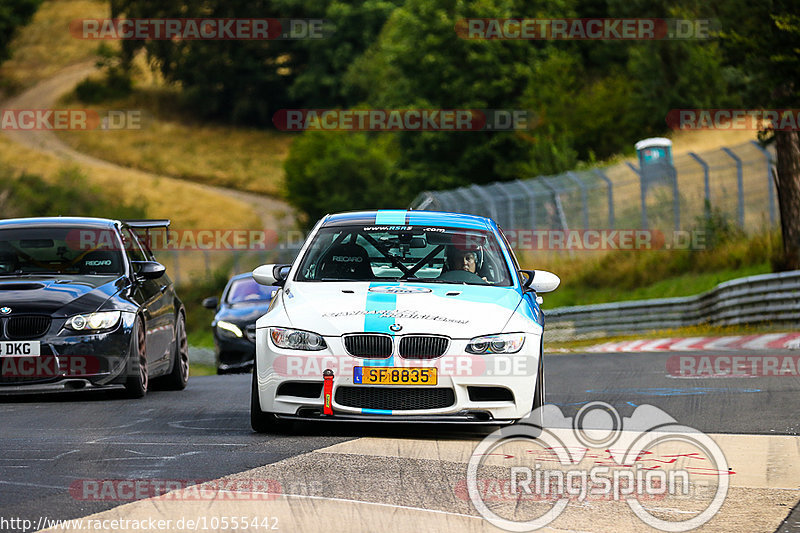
763,40
248,81
13,14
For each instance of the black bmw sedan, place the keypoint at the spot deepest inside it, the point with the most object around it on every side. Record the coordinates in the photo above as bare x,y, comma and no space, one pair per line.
84,304
243,302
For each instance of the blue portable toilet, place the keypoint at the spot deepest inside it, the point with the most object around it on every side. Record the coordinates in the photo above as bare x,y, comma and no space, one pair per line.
656,169
656,150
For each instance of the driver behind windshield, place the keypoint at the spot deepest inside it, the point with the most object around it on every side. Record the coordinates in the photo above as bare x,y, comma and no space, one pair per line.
461,259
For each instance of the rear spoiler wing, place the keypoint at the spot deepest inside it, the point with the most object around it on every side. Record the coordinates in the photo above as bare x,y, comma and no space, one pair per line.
146,225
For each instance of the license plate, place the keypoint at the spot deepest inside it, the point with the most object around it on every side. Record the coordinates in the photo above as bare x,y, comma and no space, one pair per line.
364,375
19,348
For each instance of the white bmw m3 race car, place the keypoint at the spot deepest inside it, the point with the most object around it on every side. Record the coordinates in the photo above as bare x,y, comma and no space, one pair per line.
400,316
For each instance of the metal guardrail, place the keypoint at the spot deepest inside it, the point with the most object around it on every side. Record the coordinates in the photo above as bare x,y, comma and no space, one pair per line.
763,298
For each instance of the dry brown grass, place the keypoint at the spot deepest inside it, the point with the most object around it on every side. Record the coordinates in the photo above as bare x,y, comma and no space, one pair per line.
237,158
45,45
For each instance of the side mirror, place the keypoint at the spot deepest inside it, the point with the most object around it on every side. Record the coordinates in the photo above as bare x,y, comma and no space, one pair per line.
211,302
540,281
148,269
271,274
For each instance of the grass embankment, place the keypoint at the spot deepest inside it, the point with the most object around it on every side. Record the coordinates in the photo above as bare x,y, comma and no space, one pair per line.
45,45
635,275
172,144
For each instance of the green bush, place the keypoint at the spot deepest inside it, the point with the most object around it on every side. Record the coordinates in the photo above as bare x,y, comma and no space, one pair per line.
328,172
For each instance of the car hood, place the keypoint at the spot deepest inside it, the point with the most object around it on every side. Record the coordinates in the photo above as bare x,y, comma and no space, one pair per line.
58,295
458,311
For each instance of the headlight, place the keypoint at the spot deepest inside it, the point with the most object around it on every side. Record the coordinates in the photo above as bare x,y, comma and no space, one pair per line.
94,321
295,339
229,328
503,343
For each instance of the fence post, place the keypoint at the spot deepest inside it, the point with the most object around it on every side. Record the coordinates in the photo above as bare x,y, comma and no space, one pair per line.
676,195
706,184
770,189
603,176
739,183
562,218
429,198
584,197
643,193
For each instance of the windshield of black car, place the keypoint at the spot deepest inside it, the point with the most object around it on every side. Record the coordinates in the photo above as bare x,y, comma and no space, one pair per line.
60,250
247,290
415,253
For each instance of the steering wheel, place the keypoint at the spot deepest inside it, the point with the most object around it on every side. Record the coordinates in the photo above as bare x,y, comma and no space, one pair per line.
462,276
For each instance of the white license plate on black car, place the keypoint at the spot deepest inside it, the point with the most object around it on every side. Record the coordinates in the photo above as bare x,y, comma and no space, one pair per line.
19,348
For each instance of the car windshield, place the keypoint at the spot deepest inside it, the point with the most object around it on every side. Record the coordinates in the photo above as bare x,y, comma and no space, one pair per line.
247,290
59,250
400,253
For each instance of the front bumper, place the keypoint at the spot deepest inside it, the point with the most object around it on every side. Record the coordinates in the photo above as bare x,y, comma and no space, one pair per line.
234,354
71,361
290,384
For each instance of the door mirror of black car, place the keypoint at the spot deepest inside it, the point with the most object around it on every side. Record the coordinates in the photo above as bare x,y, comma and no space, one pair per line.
211,302
148,269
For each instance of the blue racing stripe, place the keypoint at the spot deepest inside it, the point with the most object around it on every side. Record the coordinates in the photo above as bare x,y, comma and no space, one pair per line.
376,411
374,323
446,220
391,217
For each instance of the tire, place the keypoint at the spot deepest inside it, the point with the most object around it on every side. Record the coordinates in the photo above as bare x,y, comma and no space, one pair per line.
179,376
260,421
536,418
138,379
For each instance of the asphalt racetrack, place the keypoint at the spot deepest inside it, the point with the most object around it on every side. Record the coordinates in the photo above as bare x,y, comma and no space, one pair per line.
368,477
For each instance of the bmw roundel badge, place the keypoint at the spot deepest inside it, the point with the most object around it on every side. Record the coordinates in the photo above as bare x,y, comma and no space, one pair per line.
395,327
5,310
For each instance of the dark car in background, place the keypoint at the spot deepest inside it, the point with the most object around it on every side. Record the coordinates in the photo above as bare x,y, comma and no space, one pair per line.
242,303
84,304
